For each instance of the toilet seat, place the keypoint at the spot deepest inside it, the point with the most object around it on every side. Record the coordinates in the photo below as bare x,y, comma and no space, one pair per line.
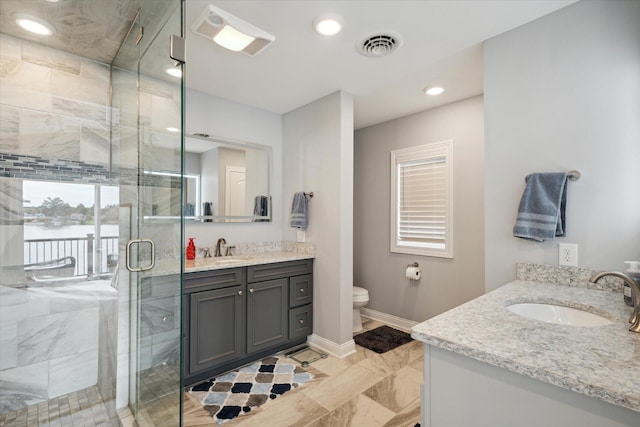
360,294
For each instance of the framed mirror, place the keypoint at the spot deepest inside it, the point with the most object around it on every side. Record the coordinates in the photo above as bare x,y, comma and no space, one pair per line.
224,181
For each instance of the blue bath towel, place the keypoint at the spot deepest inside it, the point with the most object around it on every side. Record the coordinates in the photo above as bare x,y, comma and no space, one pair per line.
541,214
299,211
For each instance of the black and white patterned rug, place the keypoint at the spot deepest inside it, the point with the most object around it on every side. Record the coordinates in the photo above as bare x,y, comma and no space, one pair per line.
238,392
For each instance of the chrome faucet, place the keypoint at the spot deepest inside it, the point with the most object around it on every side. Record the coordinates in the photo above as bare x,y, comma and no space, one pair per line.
221,241
206,252
635,289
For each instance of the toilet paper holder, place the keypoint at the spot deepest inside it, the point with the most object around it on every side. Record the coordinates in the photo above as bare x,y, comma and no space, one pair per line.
415,264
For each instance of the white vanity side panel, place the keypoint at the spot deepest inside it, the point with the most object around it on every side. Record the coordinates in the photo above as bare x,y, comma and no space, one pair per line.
465,392
425,391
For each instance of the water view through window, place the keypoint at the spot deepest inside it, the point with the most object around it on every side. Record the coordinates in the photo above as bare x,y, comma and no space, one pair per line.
64,235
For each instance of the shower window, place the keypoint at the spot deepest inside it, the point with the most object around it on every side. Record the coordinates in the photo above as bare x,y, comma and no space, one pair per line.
421,194
64,233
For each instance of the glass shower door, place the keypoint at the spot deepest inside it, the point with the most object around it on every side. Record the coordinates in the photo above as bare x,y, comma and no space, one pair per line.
148,99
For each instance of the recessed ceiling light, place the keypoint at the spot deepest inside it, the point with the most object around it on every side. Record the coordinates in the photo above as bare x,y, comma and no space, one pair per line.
173,71
33,24
434,90
53,1
327,25
172,129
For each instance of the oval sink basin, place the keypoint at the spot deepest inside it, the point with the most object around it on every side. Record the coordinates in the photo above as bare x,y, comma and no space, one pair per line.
558,314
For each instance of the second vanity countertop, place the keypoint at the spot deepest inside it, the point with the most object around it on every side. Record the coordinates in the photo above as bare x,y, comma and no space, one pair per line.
602,362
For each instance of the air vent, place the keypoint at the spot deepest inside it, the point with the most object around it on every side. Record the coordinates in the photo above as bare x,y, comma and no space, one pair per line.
379,45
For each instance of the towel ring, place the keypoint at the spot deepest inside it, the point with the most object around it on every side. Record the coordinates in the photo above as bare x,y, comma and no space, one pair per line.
309,195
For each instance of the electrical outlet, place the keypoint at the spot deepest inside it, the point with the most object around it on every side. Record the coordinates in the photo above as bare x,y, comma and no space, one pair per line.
568,254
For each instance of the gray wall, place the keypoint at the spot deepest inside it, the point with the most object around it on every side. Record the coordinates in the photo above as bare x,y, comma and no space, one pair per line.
445,283
318,157
563,93
227,119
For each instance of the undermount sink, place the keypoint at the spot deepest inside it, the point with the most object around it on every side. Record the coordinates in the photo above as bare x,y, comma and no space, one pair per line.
558,314
236,259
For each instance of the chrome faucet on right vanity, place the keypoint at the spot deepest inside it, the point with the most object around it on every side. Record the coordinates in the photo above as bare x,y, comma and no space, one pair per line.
635,289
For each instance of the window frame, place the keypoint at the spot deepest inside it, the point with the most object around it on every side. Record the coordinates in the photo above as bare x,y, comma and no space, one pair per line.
426,152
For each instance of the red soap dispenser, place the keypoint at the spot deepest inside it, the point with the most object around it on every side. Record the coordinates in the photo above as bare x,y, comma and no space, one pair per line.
191,249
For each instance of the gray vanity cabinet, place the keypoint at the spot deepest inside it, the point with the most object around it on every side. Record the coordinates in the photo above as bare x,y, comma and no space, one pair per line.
299,308
216,327
267,307
214,313
237,315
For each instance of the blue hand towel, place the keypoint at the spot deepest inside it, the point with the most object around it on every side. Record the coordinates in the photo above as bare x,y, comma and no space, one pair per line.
541,214
260,208
299,212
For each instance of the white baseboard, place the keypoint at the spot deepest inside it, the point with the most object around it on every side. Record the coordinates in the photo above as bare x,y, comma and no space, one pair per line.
389,319
336,350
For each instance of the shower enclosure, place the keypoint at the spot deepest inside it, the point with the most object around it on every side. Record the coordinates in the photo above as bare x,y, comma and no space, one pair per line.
90,287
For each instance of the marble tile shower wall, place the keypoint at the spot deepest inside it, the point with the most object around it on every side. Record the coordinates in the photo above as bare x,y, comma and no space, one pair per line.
54,125
49,340
55,122
53,104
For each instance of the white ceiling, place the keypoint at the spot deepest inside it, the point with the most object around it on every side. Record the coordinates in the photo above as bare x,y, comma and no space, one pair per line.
441,45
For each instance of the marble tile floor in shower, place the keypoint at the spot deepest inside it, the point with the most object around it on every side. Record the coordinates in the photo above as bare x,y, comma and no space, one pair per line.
364,389
80,408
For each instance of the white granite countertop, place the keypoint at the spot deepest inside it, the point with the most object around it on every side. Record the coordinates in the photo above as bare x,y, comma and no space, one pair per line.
217,263
245,254
602,362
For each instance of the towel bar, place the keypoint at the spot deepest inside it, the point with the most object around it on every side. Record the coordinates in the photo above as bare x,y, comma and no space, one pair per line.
573,175
309,195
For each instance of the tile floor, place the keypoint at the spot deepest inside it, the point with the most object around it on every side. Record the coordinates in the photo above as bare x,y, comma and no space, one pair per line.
364,389
80,408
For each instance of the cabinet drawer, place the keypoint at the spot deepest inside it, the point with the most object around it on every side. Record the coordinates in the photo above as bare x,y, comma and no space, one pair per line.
300,290
259,273
213,279
300,321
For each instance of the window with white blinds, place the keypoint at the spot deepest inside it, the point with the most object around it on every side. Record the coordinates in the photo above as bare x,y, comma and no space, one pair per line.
421,194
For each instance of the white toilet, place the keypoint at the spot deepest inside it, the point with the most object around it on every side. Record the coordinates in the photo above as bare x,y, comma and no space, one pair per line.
360,299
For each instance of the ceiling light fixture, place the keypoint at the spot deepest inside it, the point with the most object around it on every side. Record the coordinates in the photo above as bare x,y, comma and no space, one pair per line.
327,25
172,129
173,71
33,24
434,90
230,32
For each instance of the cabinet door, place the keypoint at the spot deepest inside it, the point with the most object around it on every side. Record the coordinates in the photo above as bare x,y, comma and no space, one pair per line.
215,327
267,308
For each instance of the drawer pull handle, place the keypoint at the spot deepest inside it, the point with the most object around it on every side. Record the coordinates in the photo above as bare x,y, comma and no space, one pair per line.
302,290
239,292
301,322
251,290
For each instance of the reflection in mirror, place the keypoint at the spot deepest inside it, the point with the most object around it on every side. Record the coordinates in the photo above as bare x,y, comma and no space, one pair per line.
224,181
